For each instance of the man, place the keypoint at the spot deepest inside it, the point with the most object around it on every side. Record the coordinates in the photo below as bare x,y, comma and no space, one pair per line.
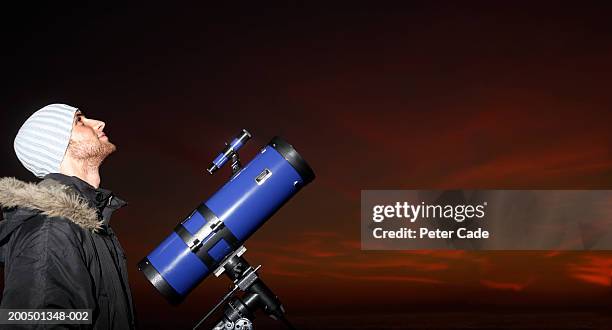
58,249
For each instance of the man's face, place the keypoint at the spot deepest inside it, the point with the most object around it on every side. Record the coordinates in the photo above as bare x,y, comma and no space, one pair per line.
88,140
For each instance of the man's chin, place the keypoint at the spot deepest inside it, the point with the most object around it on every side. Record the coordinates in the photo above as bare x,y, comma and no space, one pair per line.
105,149
110,147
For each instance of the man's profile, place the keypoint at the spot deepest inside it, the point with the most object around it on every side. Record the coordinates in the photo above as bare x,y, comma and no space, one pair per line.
57,247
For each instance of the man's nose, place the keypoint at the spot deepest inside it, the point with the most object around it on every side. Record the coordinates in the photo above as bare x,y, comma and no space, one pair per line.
98,125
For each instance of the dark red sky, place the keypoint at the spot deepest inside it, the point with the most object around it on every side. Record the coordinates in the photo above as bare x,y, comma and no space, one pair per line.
428,95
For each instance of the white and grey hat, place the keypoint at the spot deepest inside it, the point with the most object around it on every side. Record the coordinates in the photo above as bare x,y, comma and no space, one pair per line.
42,140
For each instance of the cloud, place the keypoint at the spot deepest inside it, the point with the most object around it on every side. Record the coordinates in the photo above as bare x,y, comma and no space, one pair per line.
513,286
592,269
384,278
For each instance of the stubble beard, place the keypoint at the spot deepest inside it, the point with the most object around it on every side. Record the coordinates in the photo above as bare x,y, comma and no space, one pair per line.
91,153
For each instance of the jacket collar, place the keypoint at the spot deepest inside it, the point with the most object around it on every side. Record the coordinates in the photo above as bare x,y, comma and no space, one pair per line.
96,198
62,196
103,200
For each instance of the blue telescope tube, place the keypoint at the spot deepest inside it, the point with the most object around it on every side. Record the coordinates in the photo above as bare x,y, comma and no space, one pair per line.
229,217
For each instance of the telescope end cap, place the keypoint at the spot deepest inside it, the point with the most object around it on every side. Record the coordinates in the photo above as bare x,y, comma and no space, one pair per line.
293,157
160,284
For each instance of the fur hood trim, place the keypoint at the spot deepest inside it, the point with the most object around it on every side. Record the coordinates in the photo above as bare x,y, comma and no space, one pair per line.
52,198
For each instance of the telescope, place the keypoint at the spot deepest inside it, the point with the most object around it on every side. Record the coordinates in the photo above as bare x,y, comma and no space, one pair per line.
210,239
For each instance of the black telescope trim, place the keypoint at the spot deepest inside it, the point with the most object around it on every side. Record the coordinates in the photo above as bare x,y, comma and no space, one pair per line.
292,156
198,245
201,249
159,282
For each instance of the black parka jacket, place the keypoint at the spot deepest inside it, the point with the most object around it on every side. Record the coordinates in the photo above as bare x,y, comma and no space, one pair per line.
59,251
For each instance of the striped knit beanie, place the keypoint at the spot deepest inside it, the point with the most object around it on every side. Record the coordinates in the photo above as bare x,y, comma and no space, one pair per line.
42,140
